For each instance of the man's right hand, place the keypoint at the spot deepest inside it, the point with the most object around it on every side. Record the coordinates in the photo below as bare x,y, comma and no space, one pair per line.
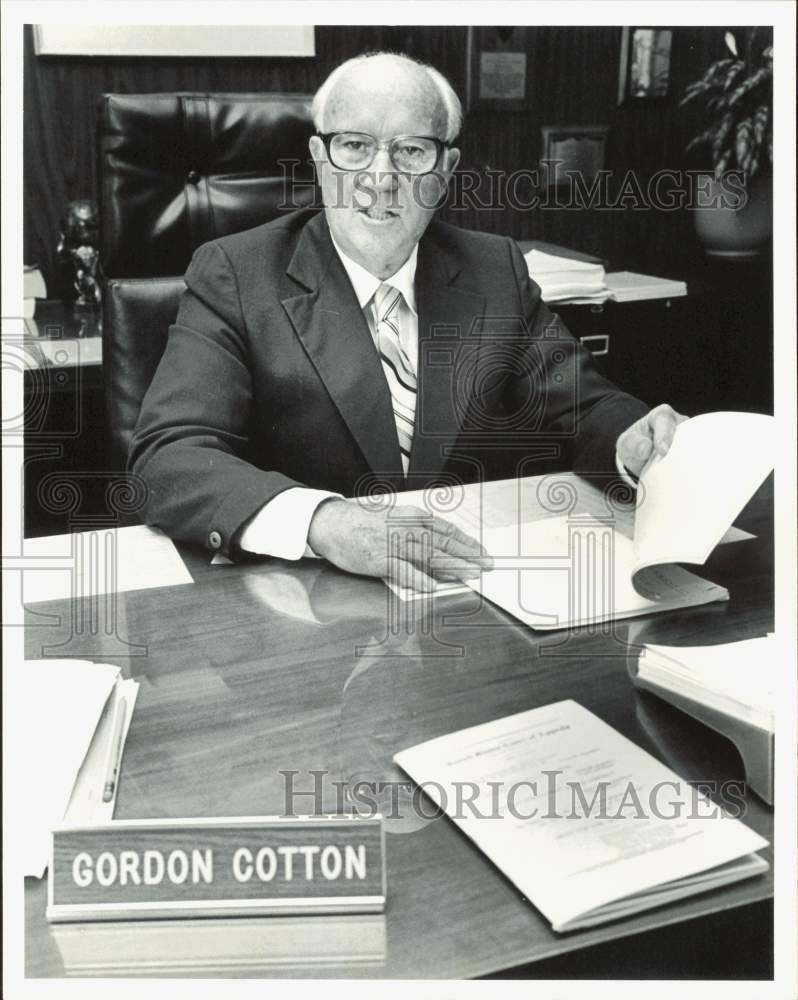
405,544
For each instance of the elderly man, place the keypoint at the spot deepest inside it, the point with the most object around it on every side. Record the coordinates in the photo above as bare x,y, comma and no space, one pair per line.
367,346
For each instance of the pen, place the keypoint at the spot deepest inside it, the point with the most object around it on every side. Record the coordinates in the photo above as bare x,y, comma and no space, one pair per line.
114,758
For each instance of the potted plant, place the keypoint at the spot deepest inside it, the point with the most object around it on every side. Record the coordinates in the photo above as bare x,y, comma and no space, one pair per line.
736,95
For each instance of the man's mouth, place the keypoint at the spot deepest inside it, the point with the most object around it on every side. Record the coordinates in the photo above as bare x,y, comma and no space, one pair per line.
376,213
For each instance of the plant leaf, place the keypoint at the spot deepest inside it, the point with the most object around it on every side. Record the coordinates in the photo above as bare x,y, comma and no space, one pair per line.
731,43
761,117
734,71
748,85
723,130
720,164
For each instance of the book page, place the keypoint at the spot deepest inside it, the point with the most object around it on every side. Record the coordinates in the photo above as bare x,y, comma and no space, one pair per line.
576,815
691,496
572,571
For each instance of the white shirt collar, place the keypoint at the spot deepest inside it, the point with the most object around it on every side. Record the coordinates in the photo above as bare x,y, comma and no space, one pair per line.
366,284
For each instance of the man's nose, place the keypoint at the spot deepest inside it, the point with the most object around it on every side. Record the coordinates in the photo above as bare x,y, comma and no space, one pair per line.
383,172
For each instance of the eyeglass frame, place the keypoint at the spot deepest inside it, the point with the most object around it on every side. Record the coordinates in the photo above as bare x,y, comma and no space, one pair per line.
440,145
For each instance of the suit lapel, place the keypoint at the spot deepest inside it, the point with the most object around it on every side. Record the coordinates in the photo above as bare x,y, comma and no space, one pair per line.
446,333
330,323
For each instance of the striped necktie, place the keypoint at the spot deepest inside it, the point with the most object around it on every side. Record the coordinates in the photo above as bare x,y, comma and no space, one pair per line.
400,370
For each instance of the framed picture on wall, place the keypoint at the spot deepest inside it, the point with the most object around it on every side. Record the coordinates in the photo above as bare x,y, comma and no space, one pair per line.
496,68
163,40
645,64
572,149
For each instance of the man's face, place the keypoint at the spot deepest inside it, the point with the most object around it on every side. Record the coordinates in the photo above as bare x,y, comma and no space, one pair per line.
377,215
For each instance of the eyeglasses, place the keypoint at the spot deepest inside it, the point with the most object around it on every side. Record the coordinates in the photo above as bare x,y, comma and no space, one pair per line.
409,154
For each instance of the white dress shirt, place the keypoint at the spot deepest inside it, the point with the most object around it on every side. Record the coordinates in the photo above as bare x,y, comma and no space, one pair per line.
280,528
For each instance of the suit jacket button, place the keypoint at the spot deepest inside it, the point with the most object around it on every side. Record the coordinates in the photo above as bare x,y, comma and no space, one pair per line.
215,540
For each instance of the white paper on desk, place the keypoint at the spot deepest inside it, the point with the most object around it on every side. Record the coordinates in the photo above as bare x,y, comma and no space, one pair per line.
483,509
691,495
581,865
442,589
59,703
107,561
86,806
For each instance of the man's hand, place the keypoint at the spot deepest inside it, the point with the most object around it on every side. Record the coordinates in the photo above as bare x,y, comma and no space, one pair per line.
653,432
405,545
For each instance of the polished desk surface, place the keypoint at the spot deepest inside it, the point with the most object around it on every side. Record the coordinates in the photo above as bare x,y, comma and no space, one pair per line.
271,666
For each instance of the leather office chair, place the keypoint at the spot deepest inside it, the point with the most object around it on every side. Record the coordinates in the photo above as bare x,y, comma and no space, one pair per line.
177,170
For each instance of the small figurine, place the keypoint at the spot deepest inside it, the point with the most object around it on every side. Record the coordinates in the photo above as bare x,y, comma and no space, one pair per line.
78,247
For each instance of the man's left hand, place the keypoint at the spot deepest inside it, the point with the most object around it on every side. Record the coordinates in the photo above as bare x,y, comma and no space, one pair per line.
654,432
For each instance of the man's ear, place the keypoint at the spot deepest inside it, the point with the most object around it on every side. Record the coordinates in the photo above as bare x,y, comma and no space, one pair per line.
317,150
451,158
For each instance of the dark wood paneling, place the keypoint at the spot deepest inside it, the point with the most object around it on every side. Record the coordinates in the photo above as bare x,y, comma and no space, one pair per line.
572,80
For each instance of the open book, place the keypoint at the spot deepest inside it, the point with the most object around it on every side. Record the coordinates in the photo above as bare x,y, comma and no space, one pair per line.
71,719
589,826
582,568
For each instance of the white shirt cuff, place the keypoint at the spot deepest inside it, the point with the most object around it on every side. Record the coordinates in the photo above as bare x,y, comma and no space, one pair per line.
280,528
622,471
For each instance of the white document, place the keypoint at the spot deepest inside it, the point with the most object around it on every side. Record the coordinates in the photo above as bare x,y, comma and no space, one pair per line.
737,678
585,823
107,561
583,569
58,704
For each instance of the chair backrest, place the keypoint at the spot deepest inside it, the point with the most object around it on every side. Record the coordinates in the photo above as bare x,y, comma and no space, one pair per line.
177,170
138,313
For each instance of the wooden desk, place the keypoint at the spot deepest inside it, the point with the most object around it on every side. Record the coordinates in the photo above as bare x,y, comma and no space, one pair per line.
273,666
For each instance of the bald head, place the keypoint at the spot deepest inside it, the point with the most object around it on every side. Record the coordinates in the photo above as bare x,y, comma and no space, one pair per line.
390,79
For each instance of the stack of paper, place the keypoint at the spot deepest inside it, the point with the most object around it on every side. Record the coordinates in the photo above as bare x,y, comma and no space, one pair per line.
73,718
736,678
627,286
561,278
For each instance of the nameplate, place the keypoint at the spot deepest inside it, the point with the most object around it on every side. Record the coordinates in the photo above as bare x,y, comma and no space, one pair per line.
141,869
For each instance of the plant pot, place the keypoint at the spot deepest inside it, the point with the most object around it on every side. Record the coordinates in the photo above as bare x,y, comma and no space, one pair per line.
735,233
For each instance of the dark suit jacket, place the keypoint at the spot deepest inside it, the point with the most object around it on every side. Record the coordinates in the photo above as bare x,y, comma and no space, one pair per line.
270,379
